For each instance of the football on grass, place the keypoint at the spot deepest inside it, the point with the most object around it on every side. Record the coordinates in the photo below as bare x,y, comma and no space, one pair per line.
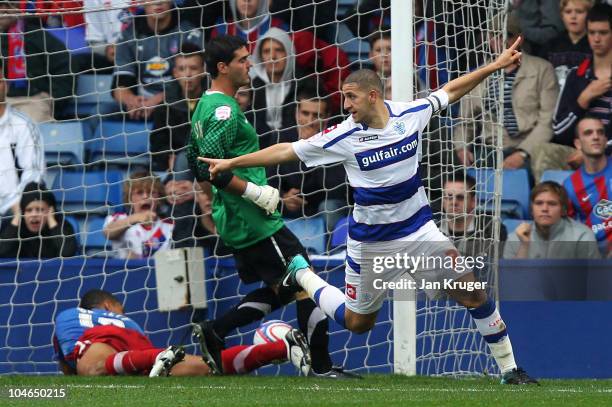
271,331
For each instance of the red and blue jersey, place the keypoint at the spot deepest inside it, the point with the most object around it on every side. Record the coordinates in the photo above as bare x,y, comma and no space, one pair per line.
72,323
591,200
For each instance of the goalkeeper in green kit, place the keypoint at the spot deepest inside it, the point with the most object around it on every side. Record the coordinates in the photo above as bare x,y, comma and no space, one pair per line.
244,211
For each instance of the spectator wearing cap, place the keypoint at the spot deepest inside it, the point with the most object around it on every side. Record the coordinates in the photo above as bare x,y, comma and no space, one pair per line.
36,230
189,207
172,120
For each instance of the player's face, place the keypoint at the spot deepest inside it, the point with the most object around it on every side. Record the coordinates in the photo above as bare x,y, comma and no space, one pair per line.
380,55
591,138
310,117
143,199
457,201
574,17
358,102
35,215
247,8
600,37
189,71
547,209
238,68
274,58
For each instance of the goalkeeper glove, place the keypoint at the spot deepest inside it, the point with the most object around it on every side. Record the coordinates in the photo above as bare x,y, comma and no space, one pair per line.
265,196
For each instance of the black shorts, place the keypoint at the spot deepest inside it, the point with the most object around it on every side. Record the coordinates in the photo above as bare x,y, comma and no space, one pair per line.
267,259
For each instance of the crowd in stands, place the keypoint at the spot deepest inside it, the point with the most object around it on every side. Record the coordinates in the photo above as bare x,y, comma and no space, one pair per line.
556,107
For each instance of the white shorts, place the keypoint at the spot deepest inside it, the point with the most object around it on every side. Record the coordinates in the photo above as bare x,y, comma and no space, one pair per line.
364,295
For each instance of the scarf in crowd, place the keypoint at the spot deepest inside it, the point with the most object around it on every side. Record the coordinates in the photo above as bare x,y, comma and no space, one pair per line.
16,61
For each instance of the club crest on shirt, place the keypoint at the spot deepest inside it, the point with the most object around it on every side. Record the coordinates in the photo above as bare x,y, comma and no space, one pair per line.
223,112
603,209
399,127
157,66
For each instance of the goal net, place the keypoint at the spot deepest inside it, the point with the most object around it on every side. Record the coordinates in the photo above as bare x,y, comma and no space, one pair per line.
67,63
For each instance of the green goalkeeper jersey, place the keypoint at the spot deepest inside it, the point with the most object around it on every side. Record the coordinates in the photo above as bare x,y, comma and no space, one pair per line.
219,129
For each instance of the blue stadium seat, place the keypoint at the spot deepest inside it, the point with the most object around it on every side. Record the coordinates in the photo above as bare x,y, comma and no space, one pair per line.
72,37
558,176
340,233
75,225
90,191
93,95
121,143
310,231
515,191
50,174
63,142
93,240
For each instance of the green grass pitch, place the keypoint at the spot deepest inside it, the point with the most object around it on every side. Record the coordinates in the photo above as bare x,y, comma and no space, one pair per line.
250,391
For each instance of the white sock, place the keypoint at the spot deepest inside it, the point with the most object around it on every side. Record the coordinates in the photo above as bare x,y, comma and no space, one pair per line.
329,298
503,354
493,329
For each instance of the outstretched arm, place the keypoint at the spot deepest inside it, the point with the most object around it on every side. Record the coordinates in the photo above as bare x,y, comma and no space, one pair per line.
276,154
459,87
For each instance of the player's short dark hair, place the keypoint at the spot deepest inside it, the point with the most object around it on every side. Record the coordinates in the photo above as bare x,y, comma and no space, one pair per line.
552,187
221,49
600,13
383,33
189,49
587,116
366,79
462,176
93,298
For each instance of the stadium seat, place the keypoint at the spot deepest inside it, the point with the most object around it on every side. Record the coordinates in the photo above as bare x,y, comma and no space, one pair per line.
72,37
515,191
75,225
310,232
93,95
340,233
50,174
121,143
93,240
92,191
63,142
558,176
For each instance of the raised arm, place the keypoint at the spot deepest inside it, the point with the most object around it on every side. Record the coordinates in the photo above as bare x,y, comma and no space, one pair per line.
276,154
459,87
